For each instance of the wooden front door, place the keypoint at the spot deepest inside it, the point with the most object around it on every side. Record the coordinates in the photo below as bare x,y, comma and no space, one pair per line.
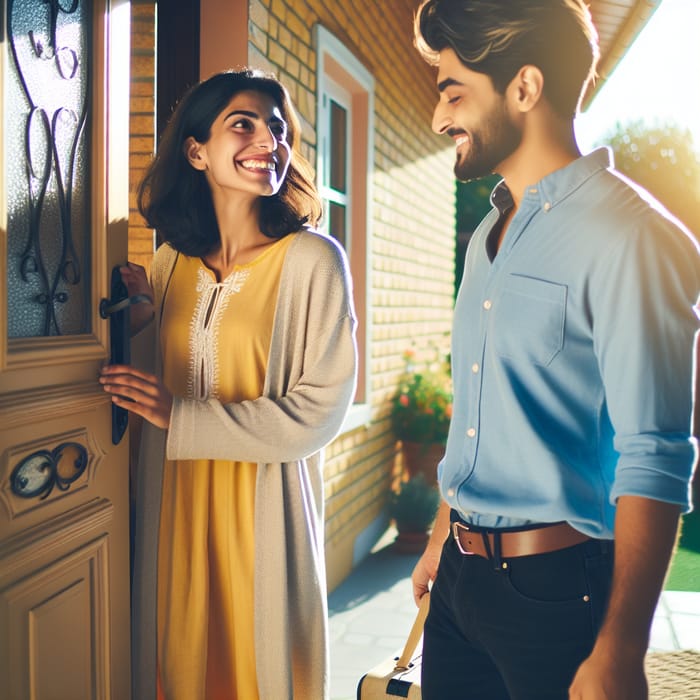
64,503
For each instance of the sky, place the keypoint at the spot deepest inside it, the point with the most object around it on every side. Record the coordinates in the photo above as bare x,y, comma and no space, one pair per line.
658,80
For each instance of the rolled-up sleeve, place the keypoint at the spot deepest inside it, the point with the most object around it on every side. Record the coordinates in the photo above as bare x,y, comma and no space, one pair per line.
644,324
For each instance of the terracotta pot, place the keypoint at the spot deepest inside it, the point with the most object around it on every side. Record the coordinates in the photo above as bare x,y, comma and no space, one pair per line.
422,458
411,542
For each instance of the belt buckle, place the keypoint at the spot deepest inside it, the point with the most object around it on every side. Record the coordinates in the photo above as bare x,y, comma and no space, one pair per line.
455,533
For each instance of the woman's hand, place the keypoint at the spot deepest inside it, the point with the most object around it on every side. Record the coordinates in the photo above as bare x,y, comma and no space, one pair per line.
139,392
136,281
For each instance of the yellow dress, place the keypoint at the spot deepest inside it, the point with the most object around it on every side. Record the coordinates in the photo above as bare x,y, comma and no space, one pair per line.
215,339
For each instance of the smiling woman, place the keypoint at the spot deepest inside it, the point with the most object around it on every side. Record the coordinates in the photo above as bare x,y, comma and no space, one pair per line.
254,351
246,149
173,185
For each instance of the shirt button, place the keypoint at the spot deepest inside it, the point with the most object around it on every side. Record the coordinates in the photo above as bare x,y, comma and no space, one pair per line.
487,304
450,492
475,367
547,206
471,432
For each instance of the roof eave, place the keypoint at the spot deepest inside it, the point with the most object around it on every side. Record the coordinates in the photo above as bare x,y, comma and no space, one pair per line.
610,58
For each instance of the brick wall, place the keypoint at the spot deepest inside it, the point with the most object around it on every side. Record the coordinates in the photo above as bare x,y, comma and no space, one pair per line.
141,121
412,232
412,259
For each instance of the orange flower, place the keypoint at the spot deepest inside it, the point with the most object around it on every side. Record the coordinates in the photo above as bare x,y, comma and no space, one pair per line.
422,405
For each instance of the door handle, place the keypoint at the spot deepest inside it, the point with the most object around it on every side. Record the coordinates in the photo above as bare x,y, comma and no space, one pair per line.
116,308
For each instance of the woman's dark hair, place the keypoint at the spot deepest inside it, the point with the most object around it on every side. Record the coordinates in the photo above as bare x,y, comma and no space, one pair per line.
174,198
499,37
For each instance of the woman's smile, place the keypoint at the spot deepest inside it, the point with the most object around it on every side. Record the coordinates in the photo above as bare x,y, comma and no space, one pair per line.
259,165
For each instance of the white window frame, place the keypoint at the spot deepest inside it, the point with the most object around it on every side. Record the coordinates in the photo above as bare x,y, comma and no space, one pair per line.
342,97
342,77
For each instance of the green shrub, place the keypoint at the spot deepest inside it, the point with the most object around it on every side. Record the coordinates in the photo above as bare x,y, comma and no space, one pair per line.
414,506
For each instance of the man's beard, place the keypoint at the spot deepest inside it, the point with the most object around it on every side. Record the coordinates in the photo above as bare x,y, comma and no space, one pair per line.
489,147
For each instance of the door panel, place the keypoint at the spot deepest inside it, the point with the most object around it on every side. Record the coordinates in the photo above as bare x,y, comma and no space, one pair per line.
64,506
55,612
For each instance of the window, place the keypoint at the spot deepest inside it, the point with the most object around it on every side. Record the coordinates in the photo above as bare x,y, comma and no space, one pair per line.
345,123
334,186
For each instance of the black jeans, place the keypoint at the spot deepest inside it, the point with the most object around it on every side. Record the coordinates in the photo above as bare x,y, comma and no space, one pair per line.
518,632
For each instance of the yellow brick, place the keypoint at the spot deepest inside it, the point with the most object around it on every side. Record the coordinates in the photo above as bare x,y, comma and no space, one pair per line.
284,37
142,87
143,105
258,14
276,53
257,37
141,125
143,65
279,10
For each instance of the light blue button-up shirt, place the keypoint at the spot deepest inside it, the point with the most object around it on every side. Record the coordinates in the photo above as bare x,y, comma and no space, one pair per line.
572,357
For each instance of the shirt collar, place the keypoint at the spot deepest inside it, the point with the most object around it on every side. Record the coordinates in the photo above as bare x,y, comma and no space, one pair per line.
501,198
556,186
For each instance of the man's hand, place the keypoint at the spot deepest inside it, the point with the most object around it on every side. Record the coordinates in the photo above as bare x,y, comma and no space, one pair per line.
425,570
139,392
645,534
610,675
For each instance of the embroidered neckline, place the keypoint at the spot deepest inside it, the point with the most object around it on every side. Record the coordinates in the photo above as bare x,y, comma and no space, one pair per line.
212,300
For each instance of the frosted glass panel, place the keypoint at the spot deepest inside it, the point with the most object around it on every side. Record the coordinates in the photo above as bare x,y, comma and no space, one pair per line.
46,132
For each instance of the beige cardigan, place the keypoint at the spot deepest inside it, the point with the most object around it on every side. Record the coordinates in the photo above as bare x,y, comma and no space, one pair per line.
309,385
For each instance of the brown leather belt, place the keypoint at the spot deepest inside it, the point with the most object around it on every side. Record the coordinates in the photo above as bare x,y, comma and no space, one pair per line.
517,544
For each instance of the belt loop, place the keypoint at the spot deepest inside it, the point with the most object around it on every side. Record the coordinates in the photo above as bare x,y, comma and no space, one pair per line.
497,551
487,544
495,554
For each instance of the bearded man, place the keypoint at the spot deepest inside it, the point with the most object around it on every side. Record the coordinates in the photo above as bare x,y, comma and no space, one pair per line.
569,455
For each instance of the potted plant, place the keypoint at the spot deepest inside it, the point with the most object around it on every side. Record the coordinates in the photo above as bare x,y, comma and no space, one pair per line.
413,508
421,410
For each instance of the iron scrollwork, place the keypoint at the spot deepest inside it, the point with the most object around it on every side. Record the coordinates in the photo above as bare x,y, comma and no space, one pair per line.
52,136
38,473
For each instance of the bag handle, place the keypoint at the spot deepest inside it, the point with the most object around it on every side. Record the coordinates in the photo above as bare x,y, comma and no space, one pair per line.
414,635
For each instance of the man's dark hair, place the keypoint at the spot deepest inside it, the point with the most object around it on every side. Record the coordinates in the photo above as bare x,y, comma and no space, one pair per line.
499,37
175,199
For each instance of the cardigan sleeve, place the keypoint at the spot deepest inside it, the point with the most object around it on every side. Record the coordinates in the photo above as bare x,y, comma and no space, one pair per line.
318,325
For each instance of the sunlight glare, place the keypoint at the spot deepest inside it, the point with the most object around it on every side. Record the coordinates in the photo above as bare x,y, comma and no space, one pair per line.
656,80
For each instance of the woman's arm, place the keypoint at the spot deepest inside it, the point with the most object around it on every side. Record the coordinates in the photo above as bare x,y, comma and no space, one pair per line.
319,318
310,377
267,430
281,429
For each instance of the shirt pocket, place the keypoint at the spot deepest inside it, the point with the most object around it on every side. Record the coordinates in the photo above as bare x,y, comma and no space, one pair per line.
529,320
